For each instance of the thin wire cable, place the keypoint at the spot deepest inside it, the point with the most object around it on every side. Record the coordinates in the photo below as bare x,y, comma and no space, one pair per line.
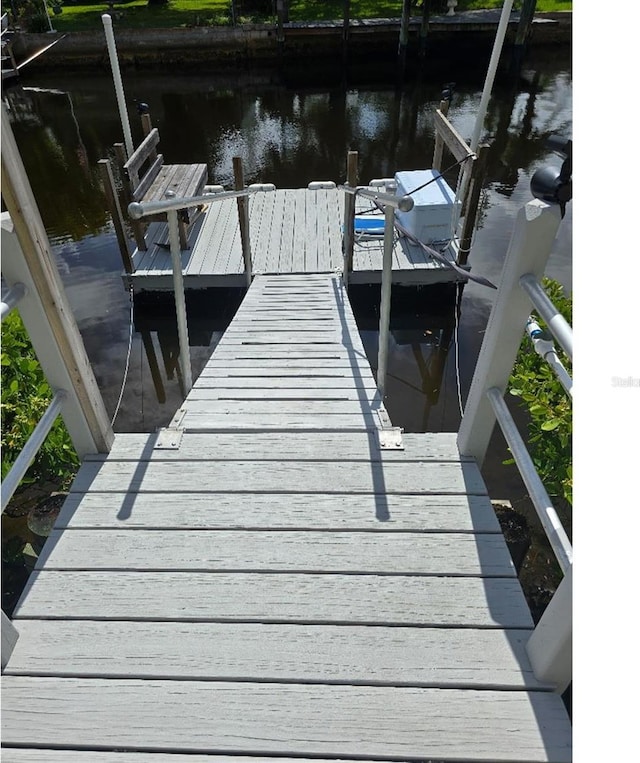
126,368
457,349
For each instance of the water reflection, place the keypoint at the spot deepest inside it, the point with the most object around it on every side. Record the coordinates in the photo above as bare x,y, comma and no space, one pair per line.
288,132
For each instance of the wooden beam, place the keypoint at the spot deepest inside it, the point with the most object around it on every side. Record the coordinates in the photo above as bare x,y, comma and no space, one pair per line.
116,213
243,216
439,143
349,213
142,153
472,201
451,137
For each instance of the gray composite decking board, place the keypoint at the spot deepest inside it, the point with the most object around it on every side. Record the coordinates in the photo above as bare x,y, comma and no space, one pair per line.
283,374
20,755
349,364
292,383
273,477
331,408
367,395
198,258
223,422
301,511
311,598
289,719
288,336
288,255
448,554
371,655
299,446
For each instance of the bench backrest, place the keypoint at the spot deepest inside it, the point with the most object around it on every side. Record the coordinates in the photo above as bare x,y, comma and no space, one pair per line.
146,152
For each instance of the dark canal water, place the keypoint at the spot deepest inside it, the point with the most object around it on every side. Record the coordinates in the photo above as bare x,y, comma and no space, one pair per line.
289,129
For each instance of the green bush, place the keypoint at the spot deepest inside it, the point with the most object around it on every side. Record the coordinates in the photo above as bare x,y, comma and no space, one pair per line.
548,406
25,397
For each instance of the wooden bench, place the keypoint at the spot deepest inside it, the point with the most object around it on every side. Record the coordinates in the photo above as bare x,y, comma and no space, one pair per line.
154,183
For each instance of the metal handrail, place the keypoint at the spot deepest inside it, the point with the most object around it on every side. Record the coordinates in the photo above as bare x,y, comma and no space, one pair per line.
11,299
31,448
537,492
557,324
403,203
139,209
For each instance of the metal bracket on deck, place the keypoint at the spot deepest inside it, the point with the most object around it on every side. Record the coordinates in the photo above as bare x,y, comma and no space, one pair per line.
169,438
389,437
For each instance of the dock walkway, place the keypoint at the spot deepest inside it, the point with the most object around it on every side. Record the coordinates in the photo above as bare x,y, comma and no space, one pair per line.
292,231
262,581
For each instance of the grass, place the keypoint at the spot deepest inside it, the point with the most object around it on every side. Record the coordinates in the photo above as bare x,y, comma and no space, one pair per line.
189,13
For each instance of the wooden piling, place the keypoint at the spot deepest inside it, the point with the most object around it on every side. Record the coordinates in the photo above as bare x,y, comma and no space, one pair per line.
349,214
424,30
404,37
109,187
243,217
439,142
522,34
472,201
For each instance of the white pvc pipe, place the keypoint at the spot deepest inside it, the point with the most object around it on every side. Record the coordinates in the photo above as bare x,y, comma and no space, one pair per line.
46,13
491,73
107,22
17,292
484,103
181,309
385,299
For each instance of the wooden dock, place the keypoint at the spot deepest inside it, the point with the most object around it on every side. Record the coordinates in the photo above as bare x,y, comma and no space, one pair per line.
291,231
263,581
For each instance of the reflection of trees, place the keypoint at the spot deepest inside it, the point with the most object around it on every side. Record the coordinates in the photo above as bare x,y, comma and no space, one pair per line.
519,140
61,165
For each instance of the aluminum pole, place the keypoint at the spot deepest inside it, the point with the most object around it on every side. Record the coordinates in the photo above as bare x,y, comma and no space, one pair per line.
107,22
491,73
385,299
486,94
181,308
31,447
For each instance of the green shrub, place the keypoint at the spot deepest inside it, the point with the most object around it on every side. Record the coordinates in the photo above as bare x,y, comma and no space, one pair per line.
25,397
548,406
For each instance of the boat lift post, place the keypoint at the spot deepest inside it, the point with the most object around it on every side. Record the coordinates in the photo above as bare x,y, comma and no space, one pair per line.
107,22
486,94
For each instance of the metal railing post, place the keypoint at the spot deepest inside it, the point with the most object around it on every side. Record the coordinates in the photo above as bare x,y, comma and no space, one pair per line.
534,232
178,290
385,299
31,448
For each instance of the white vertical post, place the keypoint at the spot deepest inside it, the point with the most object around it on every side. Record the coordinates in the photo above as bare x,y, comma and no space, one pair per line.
178,290
9,638
486,92
534,232
549,647
491,73
46,13
385,298
107,22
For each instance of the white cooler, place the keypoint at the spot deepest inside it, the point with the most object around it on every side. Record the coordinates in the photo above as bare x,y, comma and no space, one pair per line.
433,209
